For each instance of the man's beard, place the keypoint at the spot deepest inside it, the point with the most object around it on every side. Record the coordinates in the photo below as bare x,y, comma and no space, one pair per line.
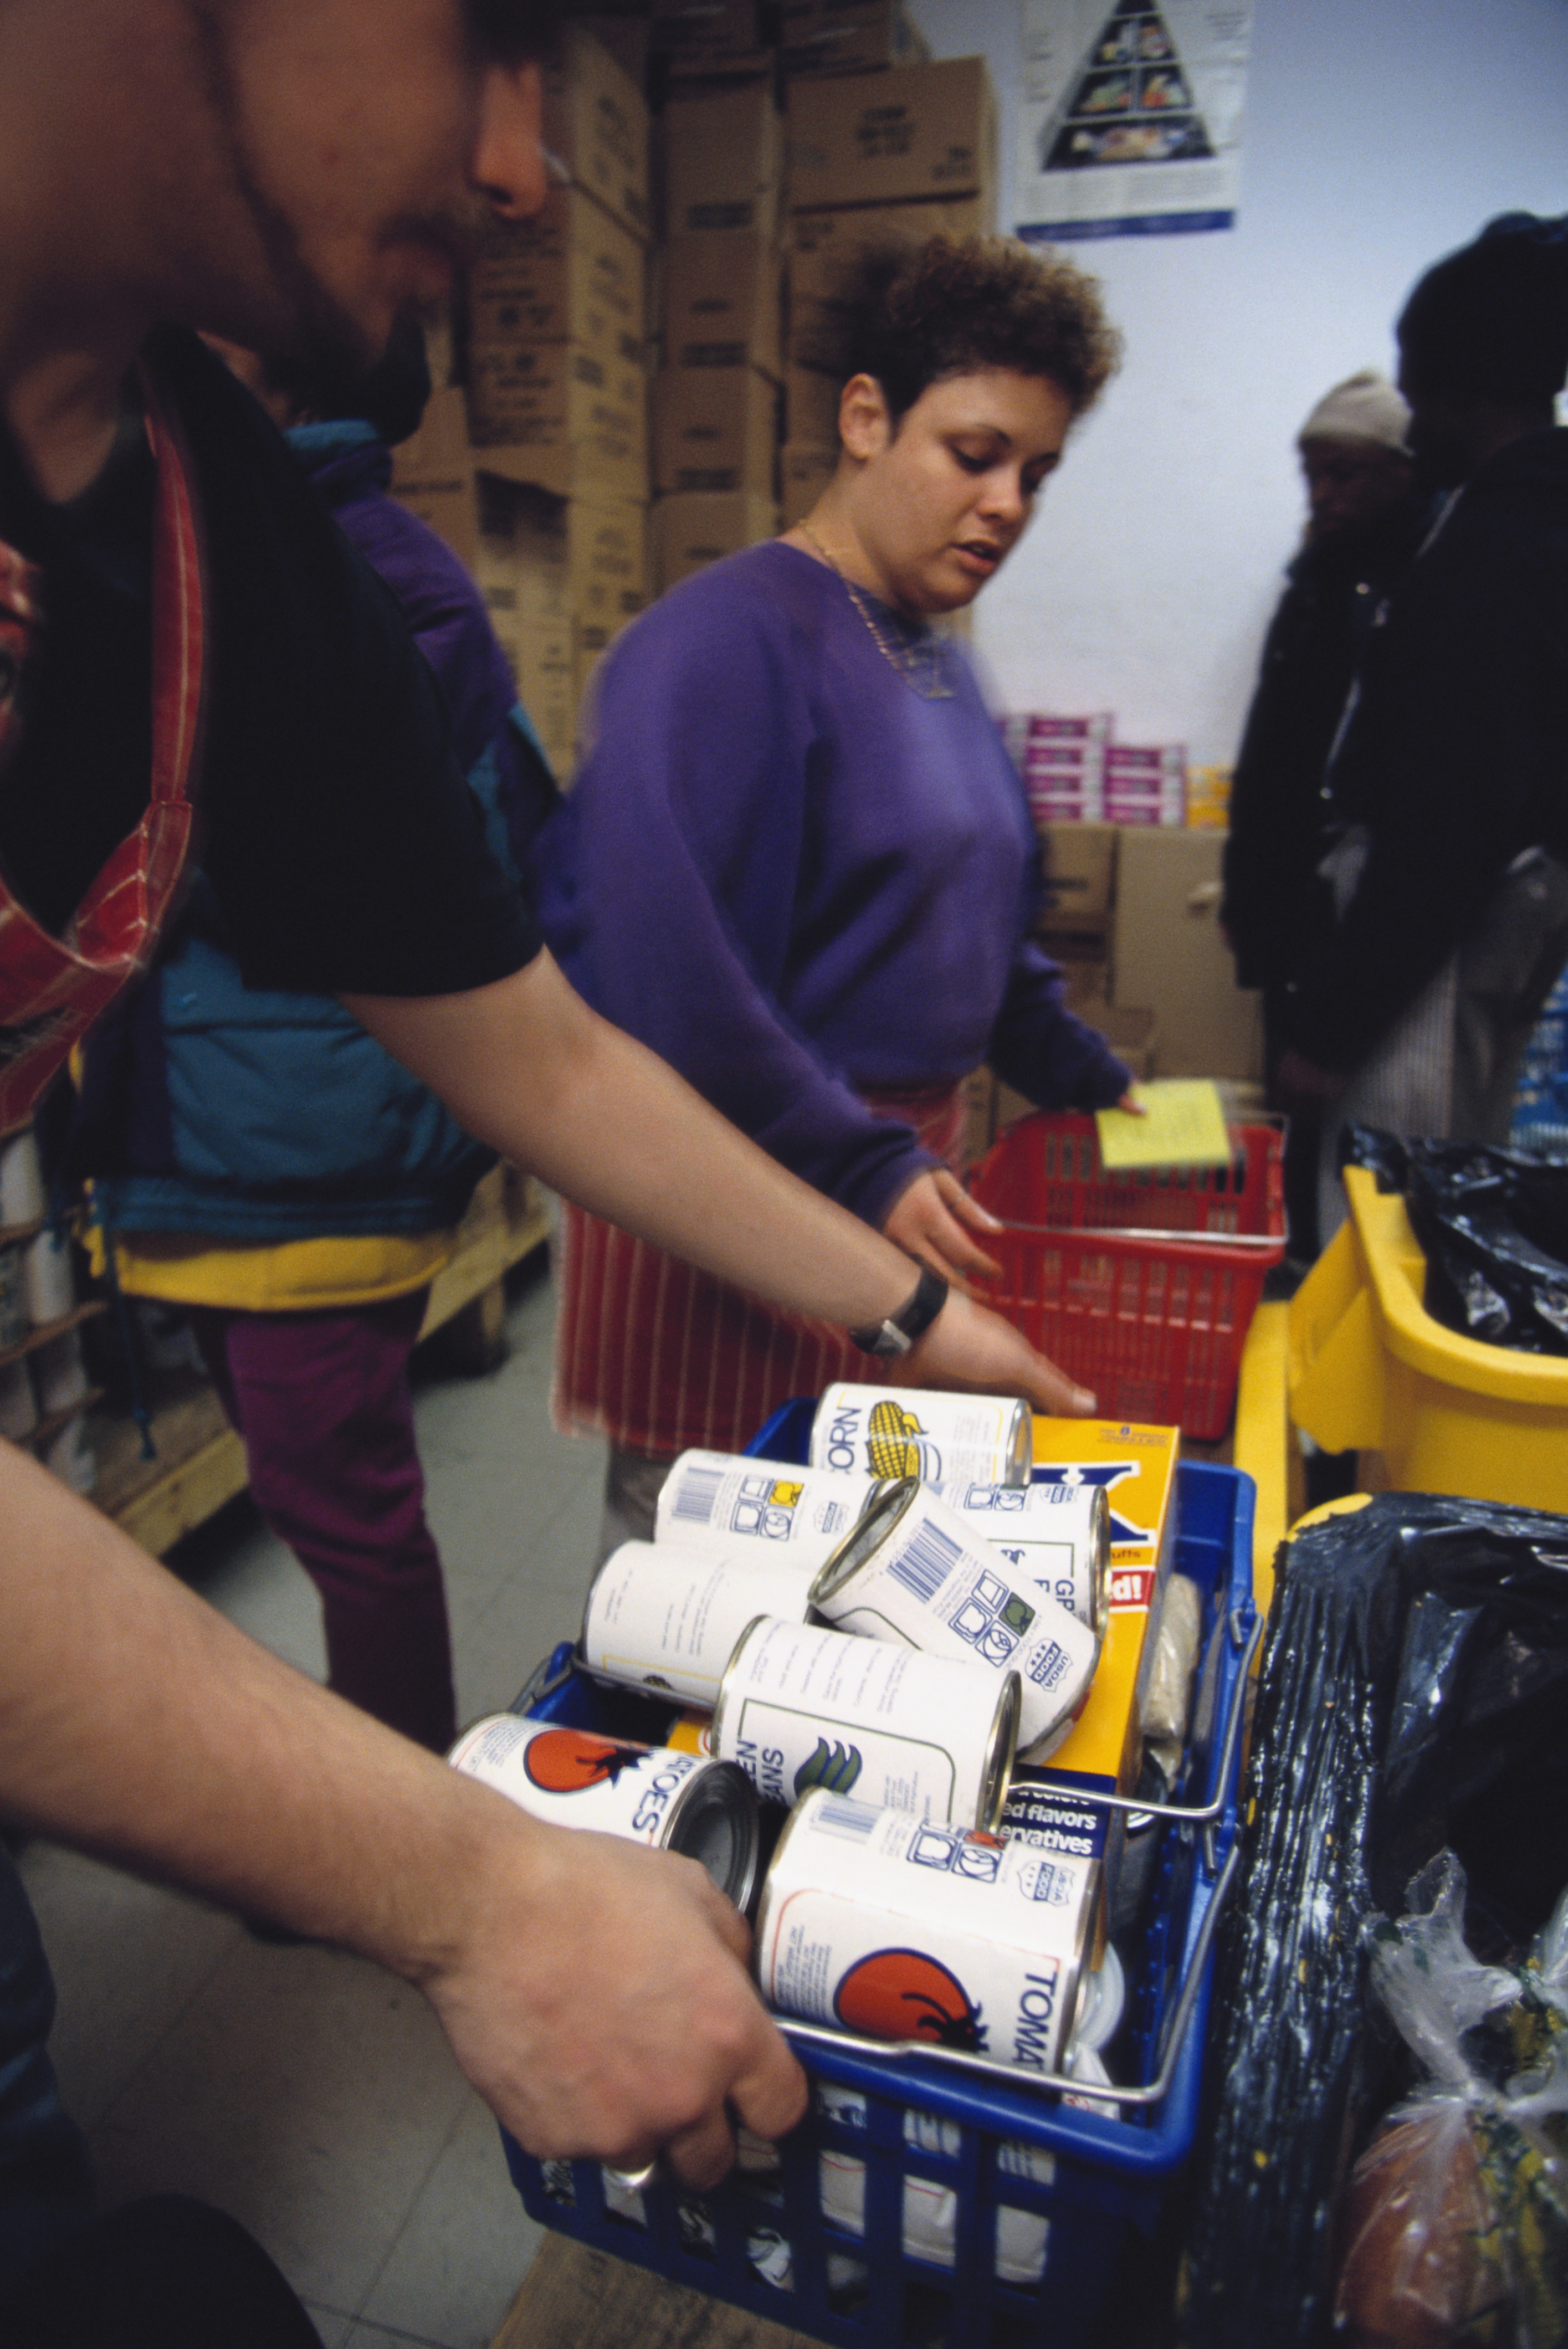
322,346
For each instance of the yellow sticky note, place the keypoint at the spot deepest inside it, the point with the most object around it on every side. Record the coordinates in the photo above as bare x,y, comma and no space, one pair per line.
1182,1125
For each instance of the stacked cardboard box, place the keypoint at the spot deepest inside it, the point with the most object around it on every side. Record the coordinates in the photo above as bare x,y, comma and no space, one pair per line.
827,37
706,40
557,394
874,158
715,441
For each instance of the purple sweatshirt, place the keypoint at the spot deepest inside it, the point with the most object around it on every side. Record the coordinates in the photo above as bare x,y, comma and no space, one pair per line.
795,878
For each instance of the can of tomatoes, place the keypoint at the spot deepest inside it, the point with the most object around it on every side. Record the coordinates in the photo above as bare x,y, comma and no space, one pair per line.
909,1431
683,1802
911,1570
896,1927
802,1707
663,1616
728,1503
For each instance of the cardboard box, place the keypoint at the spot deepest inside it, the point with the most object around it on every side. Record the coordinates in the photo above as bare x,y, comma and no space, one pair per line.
432,475
711,36
626,39
1167,951
522,570
811,406
701,526
724,303
1079,861
804,472
595,123
925,131
826,37
1103,1750
723,162
572,274
715,428
607,566
561,417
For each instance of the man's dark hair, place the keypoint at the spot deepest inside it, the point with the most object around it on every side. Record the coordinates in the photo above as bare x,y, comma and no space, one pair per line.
910,315
1492,319
517,32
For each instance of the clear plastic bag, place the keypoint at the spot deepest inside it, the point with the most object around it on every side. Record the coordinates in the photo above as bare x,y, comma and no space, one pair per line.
1454,2220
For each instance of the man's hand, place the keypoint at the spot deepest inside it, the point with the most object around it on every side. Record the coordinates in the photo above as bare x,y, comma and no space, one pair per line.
932,1221
973,1349
599,2004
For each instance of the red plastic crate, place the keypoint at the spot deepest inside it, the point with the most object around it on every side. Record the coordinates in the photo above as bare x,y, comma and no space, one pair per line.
1155,1324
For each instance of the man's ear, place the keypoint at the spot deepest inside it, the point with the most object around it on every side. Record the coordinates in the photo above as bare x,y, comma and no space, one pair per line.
864,425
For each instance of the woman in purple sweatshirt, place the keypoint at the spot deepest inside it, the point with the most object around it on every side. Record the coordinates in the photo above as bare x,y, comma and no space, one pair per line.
797,862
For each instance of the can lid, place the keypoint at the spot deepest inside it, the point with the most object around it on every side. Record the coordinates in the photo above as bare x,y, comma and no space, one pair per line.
1021,1445
886,1506
1000,1748
1099,1560
713,1820
770,1881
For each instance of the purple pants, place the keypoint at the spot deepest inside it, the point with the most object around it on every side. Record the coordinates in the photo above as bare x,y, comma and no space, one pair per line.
322,1403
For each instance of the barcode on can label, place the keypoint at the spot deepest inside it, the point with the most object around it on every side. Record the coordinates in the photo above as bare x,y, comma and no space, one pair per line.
854,1819
699,1492
926,1563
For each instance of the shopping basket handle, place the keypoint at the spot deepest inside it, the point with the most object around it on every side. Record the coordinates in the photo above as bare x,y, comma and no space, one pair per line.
1012,2075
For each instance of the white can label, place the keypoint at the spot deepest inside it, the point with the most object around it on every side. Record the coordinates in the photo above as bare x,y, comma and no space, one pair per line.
720,1501
932,1583
664,1618
907,1432
901,1928
574,1777
1045,1532
805,1708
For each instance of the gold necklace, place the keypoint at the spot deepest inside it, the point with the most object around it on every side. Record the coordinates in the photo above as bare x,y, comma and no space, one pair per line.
919,662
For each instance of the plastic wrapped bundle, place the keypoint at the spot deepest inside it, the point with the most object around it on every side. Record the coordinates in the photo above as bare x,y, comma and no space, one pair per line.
1412,1698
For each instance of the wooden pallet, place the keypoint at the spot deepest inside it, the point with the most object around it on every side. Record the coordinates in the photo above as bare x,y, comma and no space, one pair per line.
201,1461
572,2295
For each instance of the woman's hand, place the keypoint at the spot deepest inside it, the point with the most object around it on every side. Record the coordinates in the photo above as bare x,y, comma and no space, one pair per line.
932,1221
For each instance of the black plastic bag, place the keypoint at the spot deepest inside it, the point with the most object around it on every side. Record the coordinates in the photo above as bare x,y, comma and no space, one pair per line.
1493,1227
1414,1696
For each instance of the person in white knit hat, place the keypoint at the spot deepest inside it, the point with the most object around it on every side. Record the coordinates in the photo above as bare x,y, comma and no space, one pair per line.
1365,521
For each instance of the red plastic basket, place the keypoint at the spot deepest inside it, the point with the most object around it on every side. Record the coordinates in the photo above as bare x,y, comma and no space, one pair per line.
1154,1324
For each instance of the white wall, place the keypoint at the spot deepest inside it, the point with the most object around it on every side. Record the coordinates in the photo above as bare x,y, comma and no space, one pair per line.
1380,134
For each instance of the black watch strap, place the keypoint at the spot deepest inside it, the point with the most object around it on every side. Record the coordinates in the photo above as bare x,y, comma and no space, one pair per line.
899,1333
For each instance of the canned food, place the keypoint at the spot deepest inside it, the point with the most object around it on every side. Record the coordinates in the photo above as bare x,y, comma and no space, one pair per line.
662,1617
802,1708
1057,1536
911,1570
896,1927
908,1432
575,1778
724,1500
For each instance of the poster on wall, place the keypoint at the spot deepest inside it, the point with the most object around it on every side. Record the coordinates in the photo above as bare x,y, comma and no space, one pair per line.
1130,120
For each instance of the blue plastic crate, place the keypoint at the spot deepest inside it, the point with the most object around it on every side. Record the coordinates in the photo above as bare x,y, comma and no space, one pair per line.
1109,2169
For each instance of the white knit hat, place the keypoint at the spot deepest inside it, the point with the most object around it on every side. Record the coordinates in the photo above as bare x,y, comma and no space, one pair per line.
1364,406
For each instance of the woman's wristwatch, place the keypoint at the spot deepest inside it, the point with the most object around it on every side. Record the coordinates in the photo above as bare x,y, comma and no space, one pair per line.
899,1333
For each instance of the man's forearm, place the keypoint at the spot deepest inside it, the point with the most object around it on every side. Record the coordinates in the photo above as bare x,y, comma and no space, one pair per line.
531,1070
593,1991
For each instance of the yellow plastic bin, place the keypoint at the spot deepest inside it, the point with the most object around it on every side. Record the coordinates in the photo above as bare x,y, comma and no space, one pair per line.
1369,1370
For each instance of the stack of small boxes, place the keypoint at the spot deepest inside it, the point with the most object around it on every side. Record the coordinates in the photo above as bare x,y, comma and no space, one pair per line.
875,157
1075,772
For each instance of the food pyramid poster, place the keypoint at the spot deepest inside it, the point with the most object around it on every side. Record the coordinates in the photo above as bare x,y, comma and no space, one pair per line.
1131,119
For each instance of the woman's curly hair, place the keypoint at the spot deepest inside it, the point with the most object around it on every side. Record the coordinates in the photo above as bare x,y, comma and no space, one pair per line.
910,315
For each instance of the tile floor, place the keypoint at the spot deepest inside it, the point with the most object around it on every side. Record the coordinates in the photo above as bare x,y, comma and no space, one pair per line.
306,2093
